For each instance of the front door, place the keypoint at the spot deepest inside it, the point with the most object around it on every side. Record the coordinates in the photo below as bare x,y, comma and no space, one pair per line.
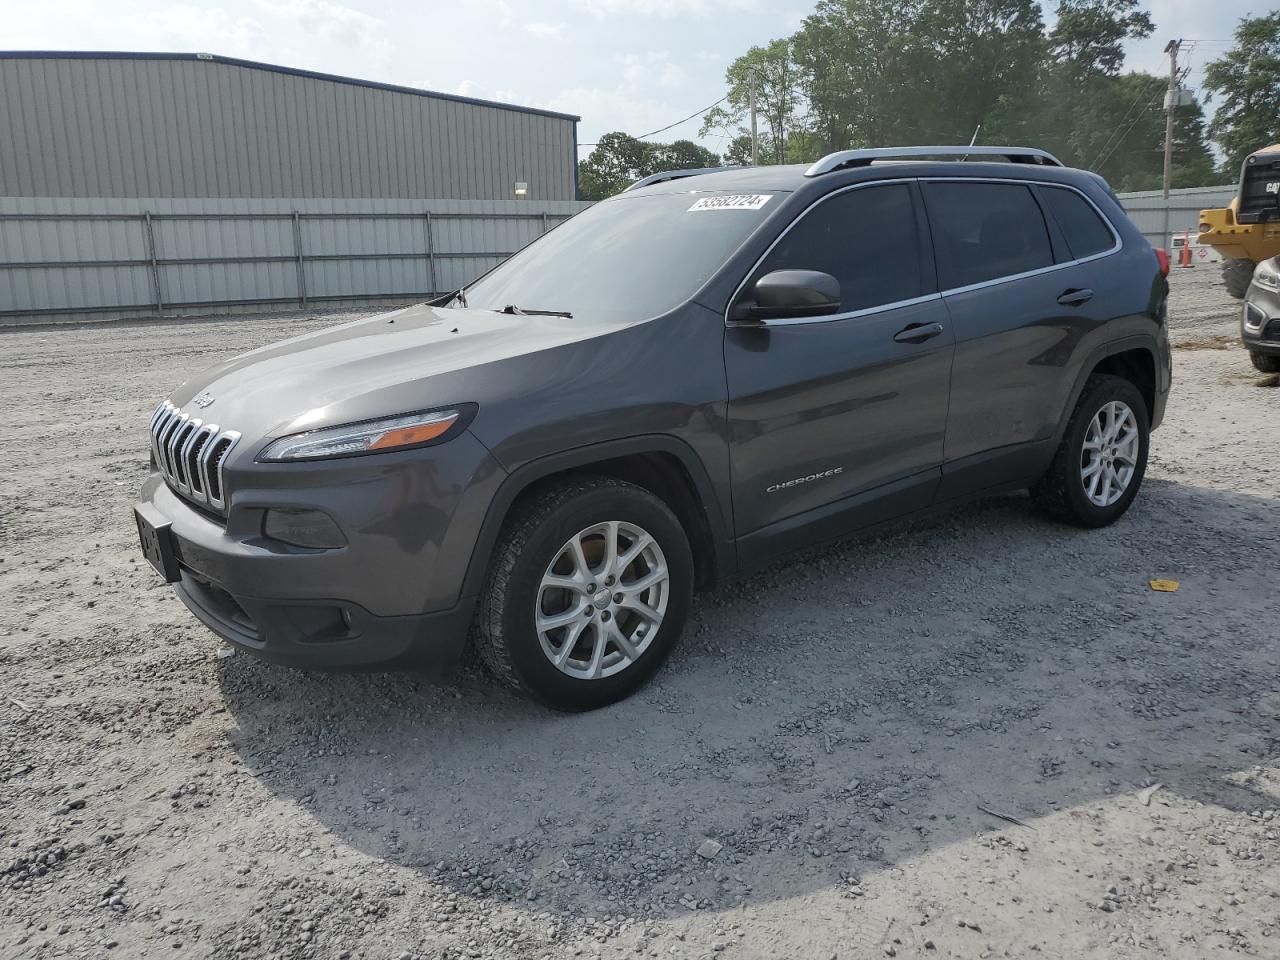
839,420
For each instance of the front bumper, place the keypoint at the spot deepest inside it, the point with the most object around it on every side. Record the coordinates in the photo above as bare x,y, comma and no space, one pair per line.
390,597
328,635
1260,320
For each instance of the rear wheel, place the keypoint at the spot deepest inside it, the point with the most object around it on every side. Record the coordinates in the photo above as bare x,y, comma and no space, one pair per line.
1265,362
1237,275
587,595
1100,463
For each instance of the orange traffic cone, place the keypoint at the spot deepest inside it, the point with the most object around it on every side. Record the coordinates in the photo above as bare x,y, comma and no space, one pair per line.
1184,258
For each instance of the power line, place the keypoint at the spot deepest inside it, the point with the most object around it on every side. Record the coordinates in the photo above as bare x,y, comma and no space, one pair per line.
651,133
685,120
1141,94
1129,129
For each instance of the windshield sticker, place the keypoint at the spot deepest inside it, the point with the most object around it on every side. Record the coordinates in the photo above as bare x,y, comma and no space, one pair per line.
748,201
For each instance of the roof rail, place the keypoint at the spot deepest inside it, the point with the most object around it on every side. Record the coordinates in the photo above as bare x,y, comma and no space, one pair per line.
666,175
864,158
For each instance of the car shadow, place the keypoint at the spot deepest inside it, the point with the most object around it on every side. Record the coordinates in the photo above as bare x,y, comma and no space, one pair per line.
838,713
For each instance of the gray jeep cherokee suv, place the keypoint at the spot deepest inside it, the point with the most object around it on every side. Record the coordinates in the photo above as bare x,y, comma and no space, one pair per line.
672,387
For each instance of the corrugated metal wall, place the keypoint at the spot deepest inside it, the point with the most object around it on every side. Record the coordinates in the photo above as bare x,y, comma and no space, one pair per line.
103,125
63,257
1158,218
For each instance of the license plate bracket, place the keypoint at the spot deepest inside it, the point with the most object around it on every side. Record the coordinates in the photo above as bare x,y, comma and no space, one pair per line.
155,535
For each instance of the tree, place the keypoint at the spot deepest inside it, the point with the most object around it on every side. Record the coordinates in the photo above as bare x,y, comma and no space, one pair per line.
681,155
1247,78
856,61
1088,113
619,160
1089,35
778,100
902,72
980,60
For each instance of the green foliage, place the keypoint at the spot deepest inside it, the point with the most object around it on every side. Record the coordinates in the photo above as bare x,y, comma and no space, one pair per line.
902,72
619,160
1247,81
1089,35
778,98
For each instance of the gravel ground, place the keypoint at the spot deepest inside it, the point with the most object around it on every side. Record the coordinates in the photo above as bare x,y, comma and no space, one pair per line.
979,736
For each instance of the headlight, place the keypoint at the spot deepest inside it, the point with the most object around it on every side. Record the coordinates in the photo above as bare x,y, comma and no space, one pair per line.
371,436
1266,278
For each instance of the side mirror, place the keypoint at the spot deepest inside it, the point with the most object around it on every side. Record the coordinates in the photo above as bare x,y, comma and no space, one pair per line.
786,294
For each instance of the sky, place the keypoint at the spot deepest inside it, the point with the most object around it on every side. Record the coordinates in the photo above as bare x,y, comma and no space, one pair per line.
631,65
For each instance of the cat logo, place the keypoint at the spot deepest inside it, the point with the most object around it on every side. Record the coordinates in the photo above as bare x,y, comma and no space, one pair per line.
1273,186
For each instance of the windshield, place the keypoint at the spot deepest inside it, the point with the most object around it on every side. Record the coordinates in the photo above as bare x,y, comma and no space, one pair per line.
625,259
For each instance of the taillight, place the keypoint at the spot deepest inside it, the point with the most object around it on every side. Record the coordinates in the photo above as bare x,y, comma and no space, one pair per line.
1162,257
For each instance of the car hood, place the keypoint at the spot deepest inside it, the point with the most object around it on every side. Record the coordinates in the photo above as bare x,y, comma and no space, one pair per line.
412,359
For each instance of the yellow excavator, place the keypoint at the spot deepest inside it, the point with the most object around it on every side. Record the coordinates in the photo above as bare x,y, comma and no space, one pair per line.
1247,231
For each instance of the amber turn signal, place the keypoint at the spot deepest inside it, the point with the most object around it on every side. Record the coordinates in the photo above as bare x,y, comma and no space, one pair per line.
408,436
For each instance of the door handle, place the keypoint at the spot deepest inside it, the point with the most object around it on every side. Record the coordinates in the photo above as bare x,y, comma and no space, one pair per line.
1075,297
918,333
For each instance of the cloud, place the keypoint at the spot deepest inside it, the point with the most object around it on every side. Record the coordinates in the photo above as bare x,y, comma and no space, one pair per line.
478,91
332,21
603,110
656,67
665,9
636,103
203,29
545,31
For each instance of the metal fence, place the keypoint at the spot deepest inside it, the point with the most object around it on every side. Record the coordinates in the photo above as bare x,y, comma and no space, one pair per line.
91,259
1159,219
106,259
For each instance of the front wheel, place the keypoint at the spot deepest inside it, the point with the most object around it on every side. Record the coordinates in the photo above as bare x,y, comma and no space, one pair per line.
1100,463
587,594
1265,362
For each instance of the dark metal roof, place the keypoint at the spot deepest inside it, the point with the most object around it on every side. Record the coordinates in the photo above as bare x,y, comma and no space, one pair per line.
273,68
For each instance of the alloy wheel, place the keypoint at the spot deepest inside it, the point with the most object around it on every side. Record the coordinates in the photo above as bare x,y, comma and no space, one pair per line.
602,599
1109,457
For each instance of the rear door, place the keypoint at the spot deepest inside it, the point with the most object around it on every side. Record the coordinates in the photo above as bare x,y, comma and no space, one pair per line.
1023,312
827,408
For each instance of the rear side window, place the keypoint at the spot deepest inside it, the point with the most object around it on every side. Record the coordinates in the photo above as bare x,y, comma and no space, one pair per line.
1085,232
984,231
865,238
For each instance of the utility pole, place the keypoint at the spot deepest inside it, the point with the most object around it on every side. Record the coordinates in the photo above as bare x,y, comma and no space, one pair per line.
755,138
1171,99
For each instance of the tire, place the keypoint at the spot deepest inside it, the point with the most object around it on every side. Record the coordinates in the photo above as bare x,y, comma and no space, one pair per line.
1063,493
535,544
1265,362
1236,276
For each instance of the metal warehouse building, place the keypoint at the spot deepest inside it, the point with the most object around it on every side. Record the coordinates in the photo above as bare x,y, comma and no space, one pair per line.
140,183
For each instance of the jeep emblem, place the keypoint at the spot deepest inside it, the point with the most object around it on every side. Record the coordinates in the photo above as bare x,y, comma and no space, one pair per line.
203,400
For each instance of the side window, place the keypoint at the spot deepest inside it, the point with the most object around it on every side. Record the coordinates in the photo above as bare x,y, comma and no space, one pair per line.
1085,232
983,231
865,238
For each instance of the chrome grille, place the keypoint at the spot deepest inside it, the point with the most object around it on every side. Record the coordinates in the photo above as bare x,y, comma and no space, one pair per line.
190,453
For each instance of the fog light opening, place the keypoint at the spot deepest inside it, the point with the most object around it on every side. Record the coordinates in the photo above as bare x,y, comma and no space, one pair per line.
313,529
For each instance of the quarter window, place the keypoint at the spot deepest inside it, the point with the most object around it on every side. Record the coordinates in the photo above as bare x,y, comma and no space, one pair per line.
866,238
984,231
1085,231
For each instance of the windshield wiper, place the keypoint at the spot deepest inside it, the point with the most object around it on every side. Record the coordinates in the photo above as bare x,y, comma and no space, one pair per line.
511,308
